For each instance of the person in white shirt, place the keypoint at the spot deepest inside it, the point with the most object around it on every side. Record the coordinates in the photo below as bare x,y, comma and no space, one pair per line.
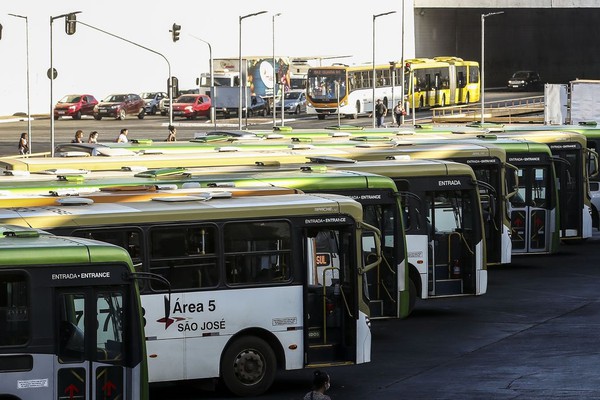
123,136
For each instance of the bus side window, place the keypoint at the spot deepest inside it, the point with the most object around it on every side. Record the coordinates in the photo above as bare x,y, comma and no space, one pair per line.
185,256
71,327
128,239
257,252
14,309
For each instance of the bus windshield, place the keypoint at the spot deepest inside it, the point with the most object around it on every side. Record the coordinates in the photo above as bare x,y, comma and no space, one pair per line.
324,83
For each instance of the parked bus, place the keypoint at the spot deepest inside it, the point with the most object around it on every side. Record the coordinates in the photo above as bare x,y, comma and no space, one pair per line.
534,211
444,216
228,261
376,193
72,325
391,295
348,90
579,165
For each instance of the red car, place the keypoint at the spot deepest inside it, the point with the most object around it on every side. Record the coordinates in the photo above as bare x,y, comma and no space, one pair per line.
120,105
191,106
75,105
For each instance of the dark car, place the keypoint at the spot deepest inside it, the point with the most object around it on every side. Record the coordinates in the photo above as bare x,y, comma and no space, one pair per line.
191,106
152,100
119,106
75,105
525,80
257,106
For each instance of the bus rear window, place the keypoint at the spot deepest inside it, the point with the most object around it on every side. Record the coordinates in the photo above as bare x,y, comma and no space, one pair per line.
14,309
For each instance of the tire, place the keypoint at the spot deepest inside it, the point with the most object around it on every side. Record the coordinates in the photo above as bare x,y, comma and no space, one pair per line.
153,110
248,366
421,103
297,111
467,99
97,117
321,116
121,114
443,103
56,117
163,113
142,114
264,112
77,116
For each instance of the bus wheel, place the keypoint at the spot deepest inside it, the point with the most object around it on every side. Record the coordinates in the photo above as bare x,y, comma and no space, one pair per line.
467,99
421,105
321,116
443,104
248,366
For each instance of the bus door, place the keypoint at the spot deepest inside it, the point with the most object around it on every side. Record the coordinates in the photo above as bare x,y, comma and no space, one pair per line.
91,343
386,280
451,224
452,75
437,99
530,214
427,102
571,186
330,306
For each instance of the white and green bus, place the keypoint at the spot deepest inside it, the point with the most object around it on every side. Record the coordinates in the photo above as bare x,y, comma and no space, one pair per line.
257,283
71,319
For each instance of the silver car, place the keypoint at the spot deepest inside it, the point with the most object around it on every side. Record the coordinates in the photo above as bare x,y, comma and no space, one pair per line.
294,102
152,101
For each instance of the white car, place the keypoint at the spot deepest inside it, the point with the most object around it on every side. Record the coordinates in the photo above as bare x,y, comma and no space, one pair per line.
294,102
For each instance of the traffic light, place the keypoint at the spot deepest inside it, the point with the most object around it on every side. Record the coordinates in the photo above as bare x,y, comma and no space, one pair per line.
70,23
407,68
175,32
173,87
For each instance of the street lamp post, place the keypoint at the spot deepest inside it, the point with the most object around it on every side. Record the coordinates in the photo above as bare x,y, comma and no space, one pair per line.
374,80
27,57
402,66
242,17
275,80
483,17
52,76
213,93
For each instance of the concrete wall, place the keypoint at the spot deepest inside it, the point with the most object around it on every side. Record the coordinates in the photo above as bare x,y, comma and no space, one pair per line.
561,44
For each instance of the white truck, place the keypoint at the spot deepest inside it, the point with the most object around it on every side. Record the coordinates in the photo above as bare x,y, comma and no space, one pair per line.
226,99
584,101
258,74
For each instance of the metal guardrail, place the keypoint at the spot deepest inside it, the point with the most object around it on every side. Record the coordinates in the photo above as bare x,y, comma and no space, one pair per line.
526,109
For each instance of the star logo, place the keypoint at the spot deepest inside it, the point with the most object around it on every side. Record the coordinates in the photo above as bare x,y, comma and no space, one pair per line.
167,320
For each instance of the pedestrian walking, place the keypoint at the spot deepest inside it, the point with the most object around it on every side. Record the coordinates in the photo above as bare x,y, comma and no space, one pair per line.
123,136
78,137
24,143
321,384
399,112
172,134
380,113
93,137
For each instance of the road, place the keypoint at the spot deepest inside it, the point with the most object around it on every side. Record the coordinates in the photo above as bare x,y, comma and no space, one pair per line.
155,127
534,335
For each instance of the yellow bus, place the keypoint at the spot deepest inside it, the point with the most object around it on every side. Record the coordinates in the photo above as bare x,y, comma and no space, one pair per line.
348,90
